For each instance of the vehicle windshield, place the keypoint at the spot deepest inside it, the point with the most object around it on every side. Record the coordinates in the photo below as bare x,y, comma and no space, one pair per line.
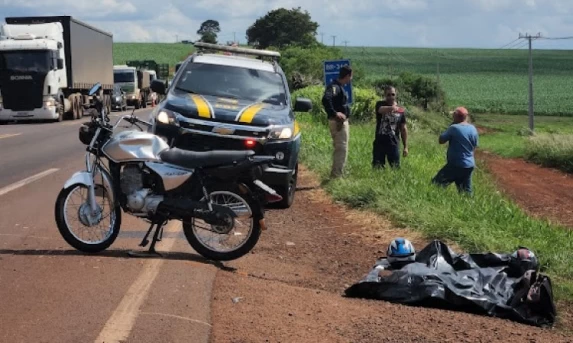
25,61
123,76
235,82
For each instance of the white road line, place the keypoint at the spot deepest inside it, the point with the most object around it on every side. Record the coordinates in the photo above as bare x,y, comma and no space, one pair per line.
26,181
8,135
119,325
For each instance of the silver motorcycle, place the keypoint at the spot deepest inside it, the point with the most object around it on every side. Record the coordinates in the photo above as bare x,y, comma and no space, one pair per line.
212,193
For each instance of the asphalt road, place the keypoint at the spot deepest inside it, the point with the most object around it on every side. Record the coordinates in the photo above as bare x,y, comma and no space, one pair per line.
51,293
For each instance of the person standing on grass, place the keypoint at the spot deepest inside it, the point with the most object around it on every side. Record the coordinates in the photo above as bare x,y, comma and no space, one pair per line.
335,102
390,126
463,139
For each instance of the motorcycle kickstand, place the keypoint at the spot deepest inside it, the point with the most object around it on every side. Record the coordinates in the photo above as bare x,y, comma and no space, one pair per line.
157,236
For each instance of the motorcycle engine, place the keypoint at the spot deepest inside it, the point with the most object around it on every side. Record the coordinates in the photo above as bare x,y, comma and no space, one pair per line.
137,191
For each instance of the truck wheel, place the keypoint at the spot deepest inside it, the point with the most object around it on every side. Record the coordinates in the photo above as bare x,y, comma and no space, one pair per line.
60,112
288,191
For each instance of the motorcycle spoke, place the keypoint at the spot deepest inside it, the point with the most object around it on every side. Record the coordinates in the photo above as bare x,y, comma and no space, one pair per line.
208,235
90,234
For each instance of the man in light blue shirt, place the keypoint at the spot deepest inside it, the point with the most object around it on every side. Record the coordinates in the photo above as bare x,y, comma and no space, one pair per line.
463,139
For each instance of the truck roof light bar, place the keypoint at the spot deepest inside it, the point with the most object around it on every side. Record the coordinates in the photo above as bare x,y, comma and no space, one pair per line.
246,51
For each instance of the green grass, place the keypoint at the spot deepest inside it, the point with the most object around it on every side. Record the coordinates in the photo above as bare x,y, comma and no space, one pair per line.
160,52
550,146
486,222
482,80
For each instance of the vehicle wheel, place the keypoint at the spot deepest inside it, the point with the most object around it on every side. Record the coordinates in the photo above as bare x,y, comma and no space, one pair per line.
193,228
60,112
75,107
82,216
288,191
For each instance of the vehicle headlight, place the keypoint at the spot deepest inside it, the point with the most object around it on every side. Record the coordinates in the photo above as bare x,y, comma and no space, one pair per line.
167,117
281,133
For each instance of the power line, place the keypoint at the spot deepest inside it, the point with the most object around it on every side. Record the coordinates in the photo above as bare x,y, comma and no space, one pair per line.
513,41
556,38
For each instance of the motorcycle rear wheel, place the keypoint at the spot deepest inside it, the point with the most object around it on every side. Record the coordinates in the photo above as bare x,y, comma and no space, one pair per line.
65,230
190,228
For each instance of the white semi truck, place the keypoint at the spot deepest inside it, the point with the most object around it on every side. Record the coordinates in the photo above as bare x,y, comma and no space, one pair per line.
48,65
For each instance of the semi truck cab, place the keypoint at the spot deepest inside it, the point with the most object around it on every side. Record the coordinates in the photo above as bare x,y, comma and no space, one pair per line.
32,71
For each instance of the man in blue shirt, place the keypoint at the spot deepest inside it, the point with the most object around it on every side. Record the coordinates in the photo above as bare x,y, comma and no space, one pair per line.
463,139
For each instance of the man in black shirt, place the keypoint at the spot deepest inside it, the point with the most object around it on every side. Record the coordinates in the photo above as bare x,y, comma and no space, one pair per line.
390,125
335,102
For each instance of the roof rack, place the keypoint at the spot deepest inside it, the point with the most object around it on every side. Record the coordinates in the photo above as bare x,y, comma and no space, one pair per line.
274,55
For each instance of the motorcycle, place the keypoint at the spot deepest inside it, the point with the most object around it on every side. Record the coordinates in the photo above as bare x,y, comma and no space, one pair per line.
146,178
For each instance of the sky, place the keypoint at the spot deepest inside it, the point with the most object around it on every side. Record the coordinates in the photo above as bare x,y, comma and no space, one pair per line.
409,23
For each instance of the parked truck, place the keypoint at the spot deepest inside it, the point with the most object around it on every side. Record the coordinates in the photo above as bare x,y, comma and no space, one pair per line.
47,66
135,83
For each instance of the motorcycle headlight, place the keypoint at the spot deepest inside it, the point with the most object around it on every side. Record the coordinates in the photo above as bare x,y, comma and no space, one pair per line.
281,133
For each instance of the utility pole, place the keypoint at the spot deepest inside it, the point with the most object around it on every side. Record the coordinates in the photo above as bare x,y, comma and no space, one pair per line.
322,37
176,38
234,38
333,40
345,43
529,38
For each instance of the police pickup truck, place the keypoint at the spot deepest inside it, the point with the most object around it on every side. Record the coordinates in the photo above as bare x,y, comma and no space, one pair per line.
232,98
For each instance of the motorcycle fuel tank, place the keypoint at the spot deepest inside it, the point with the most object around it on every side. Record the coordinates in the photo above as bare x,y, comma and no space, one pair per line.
131,146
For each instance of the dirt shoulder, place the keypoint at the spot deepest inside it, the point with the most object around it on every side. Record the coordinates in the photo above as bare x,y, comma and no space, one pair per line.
542,192
290,288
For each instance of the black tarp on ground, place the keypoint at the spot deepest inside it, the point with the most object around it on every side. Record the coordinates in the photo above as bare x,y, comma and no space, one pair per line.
494,284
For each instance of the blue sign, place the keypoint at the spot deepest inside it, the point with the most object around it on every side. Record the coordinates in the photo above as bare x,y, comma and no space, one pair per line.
331,70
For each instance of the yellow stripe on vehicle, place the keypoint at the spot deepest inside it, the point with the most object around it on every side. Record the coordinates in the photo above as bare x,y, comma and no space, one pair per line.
296,128
250,112
202,106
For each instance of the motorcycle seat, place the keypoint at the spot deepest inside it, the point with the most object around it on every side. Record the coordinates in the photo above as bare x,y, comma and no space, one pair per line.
196,159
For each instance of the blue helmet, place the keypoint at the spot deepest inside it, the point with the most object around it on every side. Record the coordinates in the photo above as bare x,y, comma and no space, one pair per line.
401,250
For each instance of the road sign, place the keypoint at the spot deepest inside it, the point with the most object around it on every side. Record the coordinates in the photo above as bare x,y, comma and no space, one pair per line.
331,70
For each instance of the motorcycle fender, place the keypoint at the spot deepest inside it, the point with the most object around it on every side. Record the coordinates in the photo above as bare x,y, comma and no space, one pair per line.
85,178
81,177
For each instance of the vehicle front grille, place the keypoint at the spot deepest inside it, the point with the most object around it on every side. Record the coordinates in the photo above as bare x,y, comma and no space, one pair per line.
22,95
197,142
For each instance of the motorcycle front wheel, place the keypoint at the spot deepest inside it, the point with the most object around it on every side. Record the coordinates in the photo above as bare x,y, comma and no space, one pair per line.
245,228
95,231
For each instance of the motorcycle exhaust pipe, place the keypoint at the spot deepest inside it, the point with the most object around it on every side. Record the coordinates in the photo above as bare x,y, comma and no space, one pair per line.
271,195
184,208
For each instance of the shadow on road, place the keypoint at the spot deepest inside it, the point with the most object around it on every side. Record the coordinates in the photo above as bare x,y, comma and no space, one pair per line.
175,256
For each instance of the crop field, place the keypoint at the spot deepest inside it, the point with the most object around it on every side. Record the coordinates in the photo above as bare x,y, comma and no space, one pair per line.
483,80
493,81
160,52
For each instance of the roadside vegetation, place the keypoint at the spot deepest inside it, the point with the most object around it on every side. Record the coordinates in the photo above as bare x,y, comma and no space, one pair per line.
487,222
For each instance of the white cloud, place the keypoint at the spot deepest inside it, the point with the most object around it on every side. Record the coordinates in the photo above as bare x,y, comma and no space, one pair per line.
473,23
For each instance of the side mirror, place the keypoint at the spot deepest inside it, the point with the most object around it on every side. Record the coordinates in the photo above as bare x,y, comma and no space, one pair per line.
158,87
94,89
60,63
302,105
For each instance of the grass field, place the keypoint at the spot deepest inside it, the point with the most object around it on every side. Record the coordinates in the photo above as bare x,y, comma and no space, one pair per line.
486,222
551,146
160,52
493,81
483,80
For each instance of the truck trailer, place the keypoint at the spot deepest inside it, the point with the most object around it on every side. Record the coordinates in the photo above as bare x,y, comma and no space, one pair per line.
47,66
